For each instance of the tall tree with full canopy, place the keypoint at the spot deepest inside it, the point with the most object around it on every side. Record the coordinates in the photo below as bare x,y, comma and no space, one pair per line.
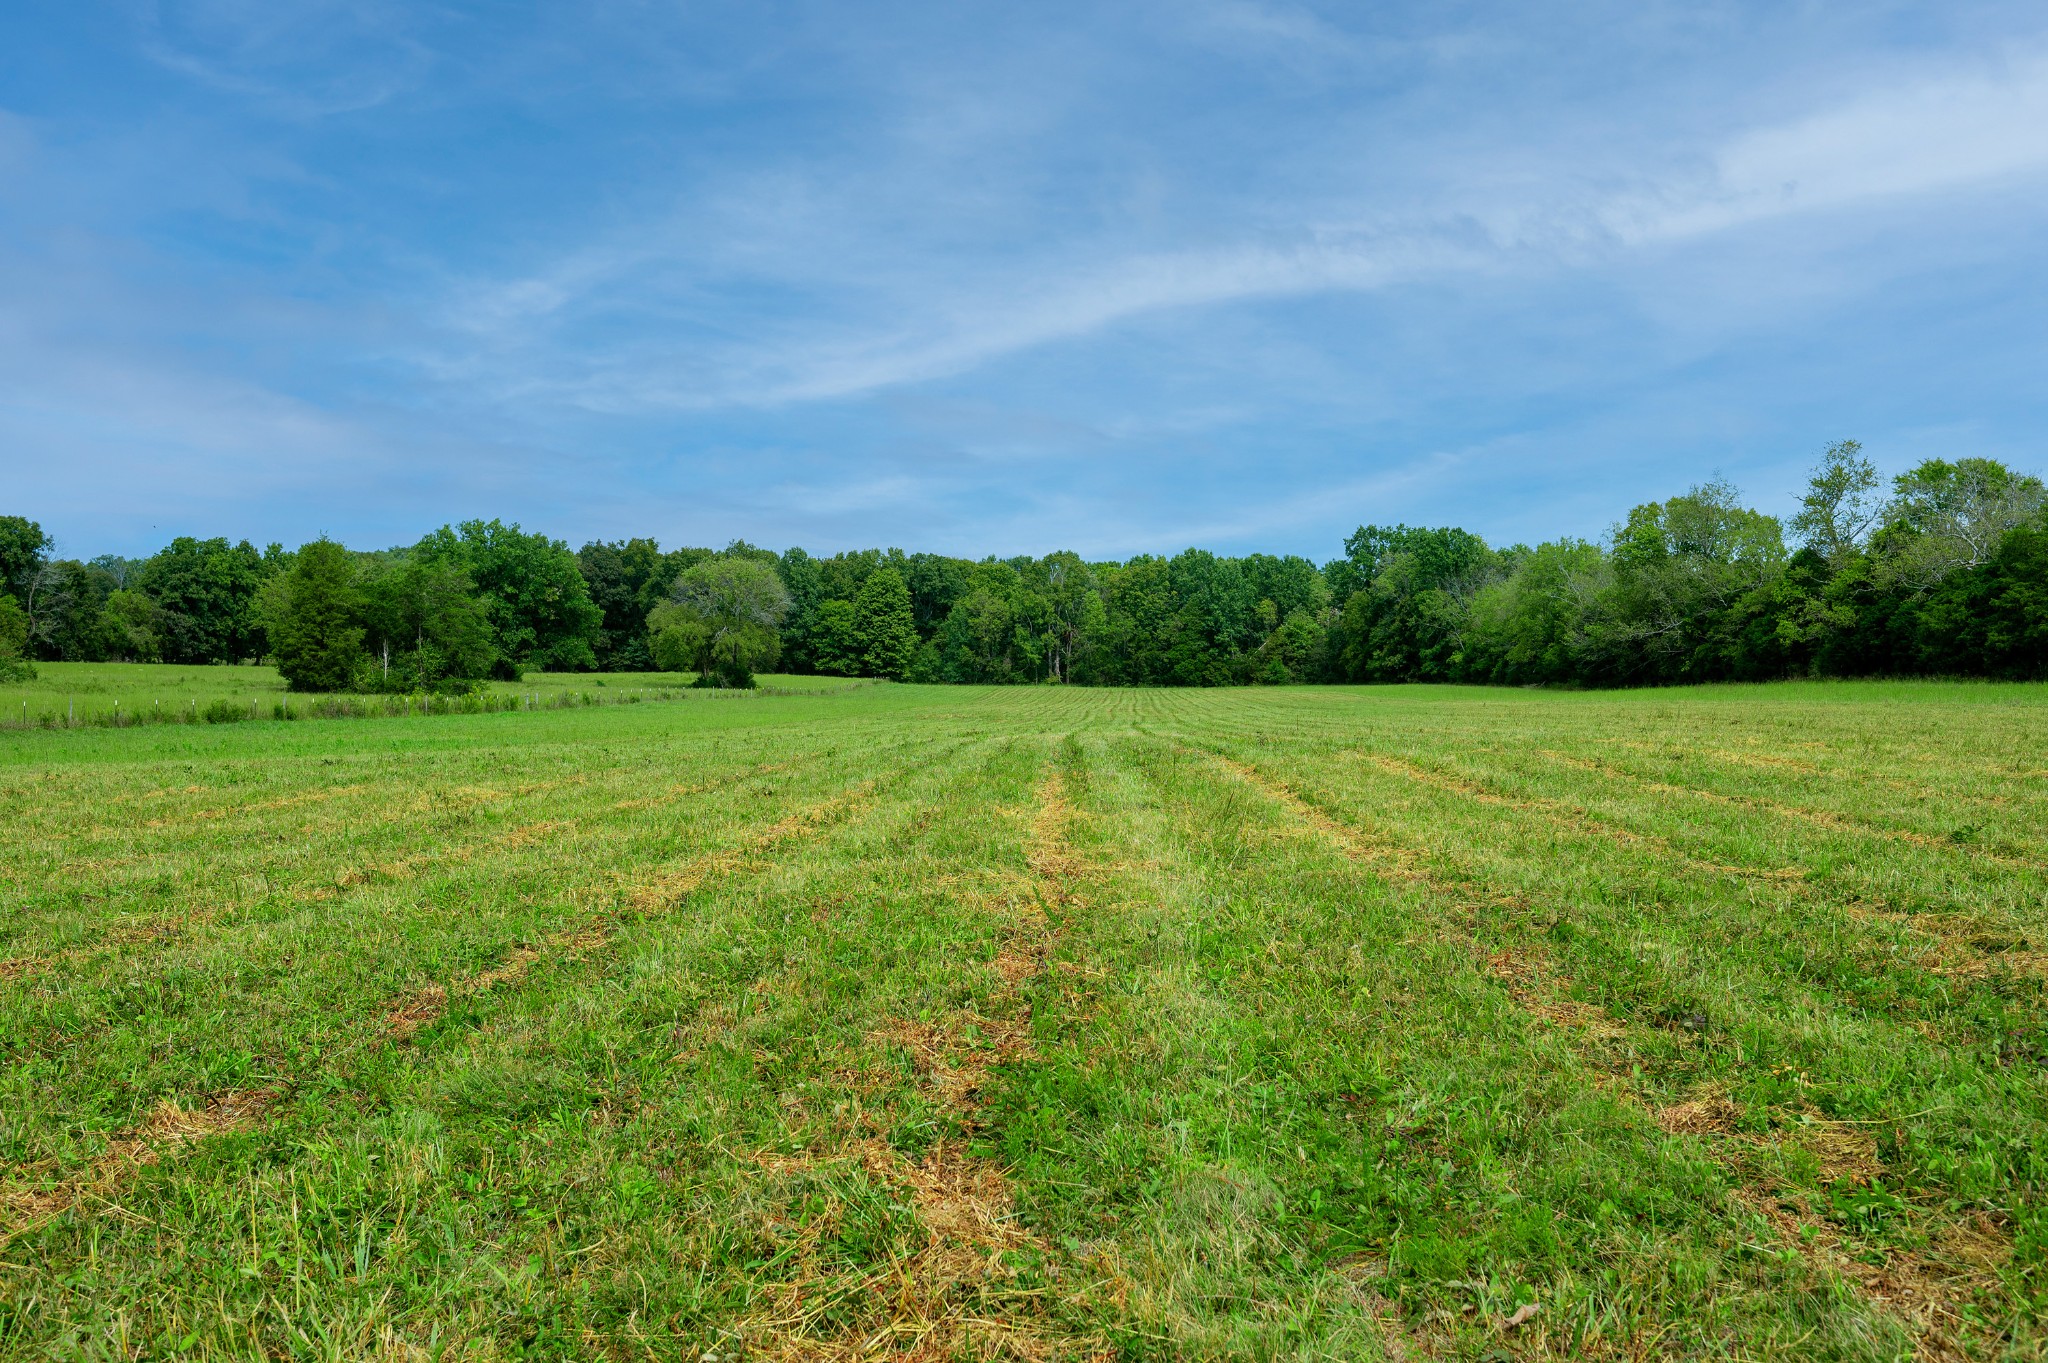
70,598
1073,611
1141,623
1531,626
888,633
1841,504
14,663
626,579
313,614
130,628
1407,600
206,591
723,621
1944,516
44,592
1686,572
23,547
540,607
835,639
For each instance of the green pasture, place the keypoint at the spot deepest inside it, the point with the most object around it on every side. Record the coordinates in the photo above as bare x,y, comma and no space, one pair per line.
93,693
937,1023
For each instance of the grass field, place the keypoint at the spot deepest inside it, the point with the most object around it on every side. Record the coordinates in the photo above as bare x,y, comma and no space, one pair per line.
80,694
1036,1023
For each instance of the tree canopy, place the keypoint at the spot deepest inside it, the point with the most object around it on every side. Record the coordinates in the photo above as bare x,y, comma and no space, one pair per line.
538,603
723,621
1943,570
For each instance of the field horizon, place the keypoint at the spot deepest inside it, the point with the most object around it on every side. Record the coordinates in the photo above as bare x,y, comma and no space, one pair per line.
946,1022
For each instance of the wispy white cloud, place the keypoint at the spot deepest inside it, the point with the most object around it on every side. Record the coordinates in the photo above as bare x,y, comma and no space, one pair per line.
302,58
1145,275
1937,132
1269,20
910,320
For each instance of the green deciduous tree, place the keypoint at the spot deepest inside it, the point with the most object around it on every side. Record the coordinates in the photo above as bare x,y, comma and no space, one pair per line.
884,625
23,547
723,620
206,590
1072,614
1535,624
130,628
1404,618
14,663
627,579
540,607
977,638
70,597
428,628
1296,650
1841,504
1948,515
313,615
1685,574
835,639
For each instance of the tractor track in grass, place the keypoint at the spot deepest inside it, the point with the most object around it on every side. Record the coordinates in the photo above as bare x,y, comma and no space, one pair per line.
346,879
1927,1296
401,807
642,897
1959,952
639,897
1964,952
29,1197
1358,1276
1774,764
1524,972
1568,815
1816,818
1395,861
449,808
407,867
954,1295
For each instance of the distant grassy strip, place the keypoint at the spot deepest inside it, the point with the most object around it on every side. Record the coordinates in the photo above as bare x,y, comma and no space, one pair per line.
231,695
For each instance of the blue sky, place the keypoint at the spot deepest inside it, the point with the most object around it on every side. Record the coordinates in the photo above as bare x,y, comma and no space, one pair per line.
1001,278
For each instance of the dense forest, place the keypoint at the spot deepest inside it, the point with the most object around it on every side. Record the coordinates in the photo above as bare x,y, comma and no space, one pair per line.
1945,571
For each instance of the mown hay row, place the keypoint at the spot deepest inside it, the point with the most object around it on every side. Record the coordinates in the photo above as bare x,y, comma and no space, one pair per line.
1929,1296
955,1295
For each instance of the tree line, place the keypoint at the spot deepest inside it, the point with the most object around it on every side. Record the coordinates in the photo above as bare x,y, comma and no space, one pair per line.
1942,571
